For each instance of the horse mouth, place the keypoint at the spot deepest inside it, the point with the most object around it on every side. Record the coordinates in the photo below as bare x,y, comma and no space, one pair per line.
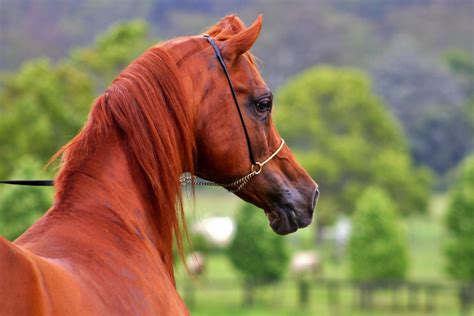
284,222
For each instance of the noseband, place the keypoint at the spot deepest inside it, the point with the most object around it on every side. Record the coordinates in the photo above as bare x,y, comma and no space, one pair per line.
256,167
235,186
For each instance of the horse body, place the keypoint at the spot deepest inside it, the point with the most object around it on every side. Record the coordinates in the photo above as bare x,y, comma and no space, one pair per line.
105,245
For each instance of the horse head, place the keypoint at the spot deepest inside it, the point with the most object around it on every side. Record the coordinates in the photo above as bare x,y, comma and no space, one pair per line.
281,187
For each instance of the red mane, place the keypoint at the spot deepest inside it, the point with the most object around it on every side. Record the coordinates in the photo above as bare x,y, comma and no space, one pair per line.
147,107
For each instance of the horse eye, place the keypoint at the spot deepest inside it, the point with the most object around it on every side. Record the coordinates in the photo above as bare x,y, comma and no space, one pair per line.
264,105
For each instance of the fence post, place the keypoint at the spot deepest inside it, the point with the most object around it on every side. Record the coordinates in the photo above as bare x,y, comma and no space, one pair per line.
395,297
365,290
333,292
430,297
466,295
303,286
249,293
413,296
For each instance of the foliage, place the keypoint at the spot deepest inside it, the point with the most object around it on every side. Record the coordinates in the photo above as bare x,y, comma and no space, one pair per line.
428,101
42,106
460,224
345,139
21,206
112,51
257,253
462,64
377,247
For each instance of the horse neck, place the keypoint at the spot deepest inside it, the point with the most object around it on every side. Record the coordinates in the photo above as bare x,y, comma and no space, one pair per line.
106,200
105,189
123,167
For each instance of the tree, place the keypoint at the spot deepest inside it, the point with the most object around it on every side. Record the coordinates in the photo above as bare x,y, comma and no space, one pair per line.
459,247
112,52
21,206
345,138
462,64
377,247
260,255
43,105
428,101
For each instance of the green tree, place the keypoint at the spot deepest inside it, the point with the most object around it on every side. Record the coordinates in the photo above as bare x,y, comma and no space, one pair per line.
459,248
345,138
22,206
428,101
256,252
43,105
462,64
377,247
112,52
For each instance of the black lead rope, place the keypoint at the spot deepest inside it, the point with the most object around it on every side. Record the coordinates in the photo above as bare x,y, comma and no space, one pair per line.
38,183
234,96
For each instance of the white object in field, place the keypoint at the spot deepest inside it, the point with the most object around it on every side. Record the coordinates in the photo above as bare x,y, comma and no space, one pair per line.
305,261
342,230
196,263
219,231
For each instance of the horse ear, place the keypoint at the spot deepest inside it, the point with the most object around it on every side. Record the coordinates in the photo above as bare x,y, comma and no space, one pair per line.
241,42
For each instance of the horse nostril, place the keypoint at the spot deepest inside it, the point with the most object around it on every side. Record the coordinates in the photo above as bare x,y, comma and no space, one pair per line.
315,198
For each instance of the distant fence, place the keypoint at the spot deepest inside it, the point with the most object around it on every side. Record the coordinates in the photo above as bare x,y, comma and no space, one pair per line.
402,295
426,297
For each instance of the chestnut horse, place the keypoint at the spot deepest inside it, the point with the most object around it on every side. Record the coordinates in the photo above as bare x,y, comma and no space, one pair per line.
105,245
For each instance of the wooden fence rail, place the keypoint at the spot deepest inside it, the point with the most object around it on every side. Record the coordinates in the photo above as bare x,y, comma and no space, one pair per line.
403,295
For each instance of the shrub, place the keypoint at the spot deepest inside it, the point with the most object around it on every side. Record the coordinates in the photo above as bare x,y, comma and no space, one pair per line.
459,248
345,138
21,206
377,247
258,253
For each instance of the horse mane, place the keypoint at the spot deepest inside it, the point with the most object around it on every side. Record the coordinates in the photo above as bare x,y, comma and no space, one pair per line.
147,107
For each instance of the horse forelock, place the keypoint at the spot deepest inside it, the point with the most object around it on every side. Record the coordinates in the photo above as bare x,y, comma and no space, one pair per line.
226,27
148,108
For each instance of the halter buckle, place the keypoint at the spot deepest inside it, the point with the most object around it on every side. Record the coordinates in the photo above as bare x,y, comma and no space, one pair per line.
257,168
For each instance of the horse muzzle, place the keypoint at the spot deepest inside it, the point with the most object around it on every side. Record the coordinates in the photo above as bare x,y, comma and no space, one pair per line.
296,212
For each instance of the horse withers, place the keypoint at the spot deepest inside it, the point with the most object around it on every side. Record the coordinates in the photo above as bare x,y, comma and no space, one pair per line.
105,245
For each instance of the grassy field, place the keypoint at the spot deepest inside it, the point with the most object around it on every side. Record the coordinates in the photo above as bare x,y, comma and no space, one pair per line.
220,292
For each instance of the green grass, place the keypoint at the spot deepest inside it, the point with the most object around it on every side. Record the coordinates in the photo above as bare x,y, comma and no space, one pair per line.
219,291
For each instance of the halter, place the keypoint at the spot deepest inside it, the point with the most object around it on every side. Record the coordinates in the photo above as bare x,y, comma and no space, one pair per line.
235,186
256,167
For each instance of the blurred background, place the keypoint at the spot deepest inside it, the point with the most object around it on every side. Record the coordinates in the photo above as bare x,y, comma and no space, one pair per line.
376,99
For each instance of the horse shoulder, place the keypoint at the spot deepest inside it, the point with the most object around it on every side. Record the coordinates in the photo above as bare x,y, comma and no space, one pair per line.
21,290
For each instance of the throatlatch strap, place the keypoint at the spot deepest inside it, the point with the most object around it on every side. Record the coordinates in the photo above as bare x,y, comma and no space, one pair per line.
234,96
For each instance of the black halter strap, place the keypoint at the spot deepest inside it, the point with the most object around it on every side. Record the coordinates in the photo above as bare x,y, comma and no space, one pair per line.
234,96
